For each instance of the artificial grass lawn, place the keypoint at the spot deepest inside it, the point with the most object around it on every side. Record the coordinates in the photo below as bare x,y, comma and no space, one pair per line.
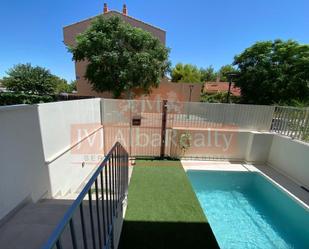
163,211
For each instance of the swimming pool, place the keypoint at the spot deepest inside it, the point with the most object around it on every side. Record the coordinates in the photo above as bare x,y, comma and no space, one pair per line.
246,210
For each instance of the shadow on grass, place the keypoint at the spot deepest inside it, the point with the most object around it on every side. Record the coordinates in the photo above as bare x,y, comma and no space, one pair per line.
167,235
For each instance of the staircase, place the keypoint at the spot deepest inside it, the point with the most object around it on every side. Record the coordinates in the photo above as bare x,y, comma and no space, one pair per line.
89,219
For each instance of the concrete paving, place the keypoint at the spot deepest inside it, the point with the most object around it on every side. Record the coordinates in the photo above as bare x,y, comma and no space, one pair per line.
31,226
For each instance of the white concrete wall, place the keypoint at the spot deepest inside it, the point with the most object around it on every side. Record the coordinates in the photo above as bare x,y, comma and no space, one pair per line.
58,122
69,172
23,174
242,146
291,157
36,149
258,147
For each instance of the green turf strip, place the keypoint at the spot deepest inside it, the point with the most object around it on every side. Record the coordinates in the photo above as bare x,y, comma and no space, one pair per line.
163,211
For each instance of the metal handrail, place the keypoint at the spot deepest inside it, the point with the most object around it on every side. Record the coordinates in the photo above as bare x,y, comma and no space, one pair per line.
115,165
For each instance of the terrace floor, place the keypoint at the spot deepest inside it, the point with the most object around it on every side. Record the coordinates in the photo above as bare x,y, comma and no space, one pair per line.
163,211
32,225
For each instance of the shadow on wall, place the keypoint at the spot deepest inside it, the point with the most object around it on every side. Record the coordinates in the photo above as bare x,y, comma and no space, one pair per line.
159,235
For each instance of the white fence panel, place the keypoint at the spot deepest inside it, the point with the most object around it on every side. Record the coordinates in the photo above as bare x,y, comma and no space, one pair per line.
229,116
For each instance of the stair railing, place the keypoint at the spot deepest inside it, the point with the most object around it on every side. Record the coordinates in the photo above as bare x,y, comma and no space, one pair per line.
89,221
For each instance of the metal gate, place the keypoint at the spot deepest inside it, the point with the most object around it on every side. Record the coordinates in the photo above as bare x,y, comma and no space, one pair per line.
137,124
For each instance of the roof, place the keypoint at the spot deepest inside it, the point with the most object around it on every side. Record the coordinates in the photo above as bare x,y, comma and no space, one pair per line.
70,31
216,87
117,13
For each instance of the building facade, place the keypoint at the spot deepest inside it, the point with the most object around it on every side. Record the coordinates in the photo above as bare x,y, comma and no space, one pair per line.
71,31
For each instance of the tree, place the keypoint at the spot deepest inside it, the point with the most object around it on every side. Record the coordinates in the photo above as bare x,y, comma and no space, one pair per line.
73,86
224,70
24,78
1,85
274,72
120,57
208,74
186,73
62,85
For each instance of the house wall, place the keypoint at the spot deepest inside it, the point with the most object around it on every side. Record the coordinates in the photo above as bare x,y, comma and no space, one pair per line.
83,86
23,175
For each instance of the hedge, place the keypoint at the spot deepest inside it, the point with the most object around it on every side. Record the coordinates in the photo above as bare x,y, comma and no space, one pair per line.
22,98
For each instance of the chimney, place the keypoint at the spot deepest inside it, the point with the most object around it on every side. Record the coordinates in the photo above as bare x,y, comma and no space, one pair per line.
105,10
125,10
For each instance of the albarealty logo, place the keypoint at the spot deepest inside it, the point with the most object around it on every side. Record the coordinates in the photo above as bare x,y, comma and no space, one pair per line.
89,138
206,142
187,134
219,142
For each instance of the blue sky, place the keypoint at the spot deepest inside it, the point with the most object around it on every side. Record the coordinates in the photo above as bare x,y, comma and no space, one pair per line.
200,32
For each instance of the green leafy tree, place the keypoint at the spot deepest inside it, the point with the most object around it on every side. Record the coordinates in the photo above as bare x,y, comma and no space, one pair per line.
224,70
62,85
186,73
1,84
208,74
24,78
73,86
120,57
274,72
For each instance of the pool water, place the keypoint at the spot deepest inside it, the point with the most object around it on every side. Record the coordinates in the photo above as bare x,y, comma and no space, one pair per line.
246,210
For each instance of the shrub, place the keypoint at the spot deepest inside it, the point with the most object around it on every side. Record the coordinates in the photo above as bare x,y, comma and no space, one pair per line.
219,97
22,98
